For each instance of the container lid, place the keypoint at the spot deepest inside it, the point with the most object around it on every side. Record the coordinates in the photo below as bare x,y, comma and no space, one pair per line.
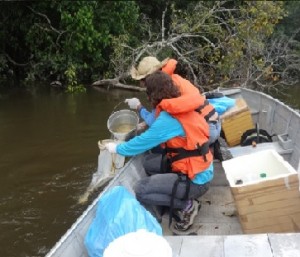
141,243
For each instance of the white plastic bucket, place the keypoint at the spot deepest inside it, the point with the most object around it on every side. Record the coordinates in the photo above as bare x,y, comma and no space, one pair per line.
141,243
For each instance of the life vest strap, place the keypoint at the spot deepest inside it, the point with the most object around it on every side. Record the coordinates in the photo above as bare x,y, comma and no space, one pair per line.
210,114
181,178
201,107
183,153
165,165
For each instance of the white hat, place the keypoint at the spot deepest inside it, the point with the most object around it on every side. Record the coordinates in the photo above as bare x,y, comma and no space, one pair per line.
147,66
141,243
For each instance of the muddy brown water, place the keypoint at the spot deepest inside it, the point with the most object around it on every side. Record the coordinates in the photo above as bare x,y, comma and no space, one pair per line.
49,151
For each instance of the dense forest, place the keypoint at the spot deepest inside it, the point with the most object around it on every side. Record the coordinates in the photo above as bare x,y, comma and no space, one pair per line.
73,43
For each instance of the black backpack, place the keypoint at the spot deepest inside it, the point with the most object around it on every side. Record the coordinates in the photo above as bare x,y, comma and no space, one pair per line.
255,135
211,95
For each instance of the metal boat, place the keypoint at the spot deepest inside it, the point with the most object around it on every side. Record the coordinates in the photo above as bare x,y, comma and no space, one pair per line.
218,229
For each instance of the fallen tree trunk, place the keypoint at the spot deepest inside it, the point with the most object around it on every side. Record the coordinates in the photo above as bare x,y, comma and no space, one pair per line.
116,84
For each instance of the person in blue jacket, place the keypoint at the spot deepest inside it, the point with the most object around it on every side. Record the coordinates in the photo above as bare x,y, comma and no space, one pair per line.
157,189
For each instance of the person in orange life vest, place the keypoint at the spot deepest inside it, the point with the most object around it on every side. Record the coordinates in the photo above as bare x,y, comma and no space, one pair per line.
190,98
188,169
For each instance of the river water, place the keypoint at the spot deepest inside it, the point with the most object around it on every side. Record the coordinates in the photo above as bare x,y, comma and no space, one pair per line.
48,154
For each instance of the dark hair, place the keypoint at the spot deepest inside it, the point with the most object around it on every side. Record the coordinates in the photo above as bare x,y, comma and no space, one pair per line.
159,86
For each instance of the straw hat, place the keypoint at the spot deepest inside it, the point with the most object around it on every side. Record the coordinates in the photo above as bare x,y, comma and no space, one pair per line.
147,66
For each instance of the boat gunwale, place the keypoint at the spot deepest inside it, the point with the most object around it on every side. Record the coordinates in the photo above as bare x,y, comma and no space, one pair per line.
91,207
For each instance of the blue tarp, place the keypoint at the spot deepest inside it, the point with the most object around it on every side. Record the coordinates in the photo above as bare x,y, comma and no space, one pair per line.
118,213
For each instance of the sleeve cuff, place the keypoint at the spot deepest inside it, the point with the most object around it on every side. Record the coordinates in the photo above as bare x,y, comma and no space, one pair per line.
140,108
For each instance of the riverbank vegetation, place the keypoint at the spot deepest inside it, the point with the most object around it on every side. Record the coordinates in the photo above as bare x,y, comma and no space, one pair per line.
217,43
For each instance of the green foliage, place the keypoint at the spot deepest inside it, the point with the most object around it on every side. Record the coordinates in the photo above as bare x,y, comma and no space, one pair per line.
54,34
71,78
245,50
290,24
230,37
78,41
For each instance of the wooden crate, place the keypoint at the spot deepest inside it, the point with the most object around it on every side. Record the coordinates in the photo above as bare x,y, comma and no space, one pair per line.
236,121
271,206
265,205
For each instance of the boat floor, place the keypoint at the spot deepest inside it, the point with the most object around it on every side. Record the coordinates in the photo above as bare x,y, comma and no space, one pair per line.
258,245
217,216
217,231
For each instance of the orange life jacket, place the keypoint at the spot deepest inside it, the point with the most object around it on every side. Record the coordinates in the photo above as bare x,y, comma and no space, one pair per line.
190,154
190,98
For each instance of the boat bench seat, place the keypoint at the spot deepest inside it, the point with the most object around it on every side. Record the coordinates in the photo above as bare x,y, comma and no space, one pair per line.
242,150
254,111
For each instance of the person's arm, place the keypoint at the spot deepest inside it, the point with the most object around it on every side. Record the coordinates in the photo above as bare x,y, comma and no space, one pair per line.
148,117
189,100
170,67
164,128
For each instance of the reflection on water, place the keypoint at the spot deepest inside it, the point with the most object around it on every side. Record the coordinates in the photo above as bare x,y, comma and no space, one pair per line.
49,152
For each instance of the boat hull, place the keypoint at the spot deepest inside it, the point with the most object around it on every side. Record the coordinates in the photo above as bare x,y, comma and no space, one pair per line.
222,235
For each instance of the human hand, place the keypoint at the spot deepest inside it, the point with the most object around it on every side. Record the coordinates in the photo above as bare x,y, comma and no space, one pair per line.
111,147
142,126
133,103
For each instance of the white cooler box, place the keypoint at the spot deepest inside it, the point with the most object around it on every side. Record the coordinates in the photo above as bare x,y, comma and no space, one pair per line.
266,192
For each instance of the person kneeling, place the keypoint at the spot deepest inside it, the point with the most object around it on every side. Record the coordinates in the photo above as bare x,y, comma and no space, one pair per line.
187,163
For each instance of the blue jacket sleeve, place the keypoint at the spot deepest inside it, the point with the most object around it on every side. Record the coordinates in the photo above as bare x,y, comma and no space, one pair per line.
222,104
148,117
164,128
204,176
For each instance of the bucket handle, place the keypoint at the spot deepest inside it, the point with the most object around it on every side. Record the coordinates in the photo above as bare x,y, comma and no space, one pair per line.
118,105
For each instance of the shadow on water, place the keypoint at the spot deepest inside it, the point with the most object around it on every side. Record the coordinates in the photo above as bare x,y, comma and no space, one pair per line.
48,154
